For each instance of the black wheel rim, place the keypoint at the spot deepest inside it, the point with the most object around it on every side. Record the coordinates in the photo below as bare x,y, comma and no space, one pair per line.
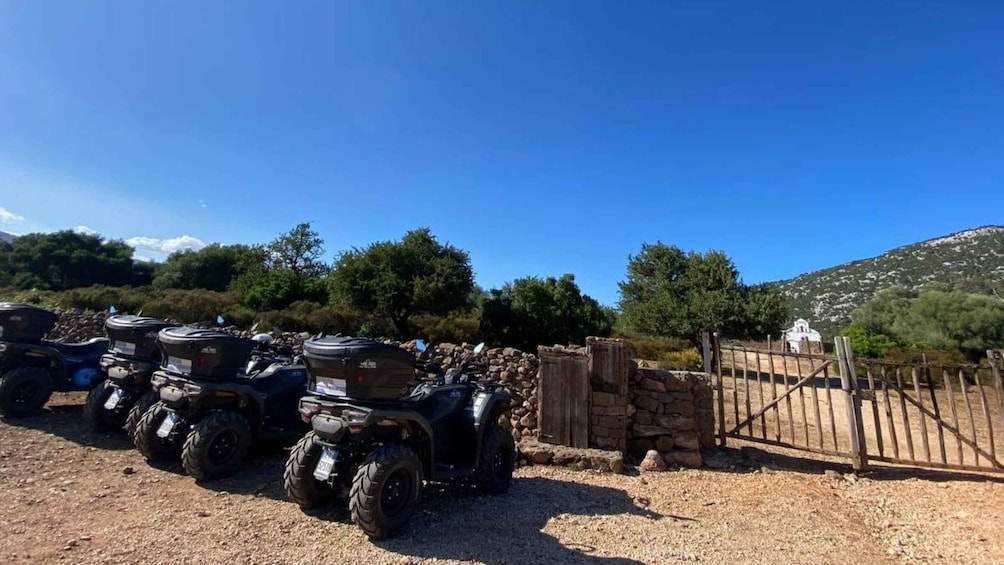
25,394
396,492
223,447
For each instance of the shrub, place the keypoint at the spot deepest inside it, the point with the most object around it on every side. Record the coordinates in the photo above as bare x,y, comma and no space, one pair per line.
686,360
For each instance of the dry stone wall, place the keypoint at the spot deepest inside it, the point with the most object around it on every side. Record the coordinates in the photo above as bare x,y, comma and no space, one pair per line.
671,412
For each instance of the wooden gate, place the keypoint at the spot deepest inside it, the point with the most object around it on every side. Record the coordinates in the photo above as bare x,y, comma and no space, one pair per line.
563,398
926,415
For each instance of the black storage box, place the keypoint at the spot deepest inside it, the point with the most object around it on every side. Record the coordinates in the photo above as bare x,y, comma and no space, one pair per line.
204,353
358,368
135,336
23,323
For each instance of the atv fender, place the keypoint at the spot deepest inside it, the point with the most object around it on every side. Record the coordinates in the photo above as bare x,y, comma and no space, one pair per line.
487,408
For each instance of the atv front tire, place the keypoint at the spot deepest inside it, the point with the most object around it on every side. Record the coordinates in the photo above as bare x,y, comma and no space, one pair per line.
216,445
298,476
495,465
385,490
148,443
24,391
142,405
96,415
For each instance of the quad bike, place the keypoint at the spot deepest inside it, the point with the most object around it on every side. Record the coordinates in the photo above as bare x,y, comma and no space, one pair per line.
218,394
375,441
32,368
125,395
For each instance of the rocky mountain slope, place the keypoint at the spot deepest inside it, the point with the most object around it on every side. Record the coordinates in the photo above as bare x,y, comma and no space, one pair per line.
972,259
4,236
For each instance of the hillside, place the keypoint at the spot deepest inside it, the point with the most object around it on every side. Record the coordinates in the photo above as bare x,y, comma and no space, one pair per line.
973,259
4,236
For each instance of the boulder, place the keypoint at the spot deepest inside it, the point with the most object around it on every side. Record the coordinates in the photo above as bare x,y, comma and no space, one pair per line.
653,462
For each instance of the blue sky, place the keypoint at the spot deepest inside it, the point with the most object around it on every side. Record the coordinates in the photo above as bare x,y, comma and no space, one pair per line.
543,137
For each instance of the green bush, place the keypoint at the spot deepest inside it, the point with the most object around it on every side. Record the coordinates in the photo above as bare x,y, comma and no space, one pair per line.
686,360
655,348
458,327
194,306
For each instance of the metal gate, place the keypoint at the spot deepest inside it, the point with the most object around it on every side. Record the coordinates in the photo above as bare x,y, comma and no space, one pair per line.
947,416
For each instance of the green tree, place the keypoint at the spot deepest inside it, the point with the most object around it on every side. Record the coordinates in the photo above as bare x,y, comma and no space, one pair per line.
865,344
936,318
532,311
286,270
670,293
398,279
212,268
65,259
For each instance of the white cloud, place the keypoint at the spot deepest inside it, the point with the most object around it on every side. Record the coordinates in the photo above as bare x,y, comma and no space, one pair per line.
203,204
8,216
84,230
166,245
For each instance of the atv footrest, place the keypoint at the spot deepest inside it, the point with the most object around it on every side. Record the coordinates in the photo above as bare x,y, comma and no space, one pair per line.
444,471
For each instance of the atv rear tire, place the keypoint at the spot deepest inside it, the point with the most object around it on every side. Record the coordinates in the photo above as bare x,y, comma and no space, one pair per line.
24,391
144,403
385,490
96,415
216,445
495,465
150,446
298,476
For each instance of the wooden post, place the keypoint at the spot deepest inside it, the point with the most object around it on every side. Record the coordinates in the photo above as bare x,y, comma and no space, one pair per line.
888,414
937,411
924,441
706,351
859,451
969,411
900,391
721,390
953,410
995,367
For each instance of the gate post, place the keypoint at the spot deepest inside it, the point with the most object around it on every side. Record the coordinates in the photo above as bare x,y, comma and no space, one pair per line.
849,384
716,354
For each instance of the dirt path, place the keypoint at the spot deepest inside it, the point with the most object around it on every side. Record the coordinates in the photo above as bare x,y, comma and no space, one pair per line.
67,495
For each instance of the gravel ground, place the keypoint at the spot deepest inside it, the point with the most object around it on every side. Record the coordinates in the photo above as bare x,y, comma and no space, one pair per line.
69,495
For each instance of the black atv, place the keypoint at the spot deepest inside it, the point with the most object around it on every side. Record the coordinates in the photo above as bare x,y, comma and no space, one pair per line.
375,442
125,395
218,393
32,368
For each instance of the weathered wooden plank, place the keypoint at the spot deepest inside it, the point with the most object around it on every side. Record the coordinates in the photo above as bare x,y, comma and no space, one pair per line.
925,442
735,384
577,373
988,418
855,425
829,403
937,411
875,410
969,410
721,391
954,412
801,401
937,465
551,402
787,396
759,386
815,406
564,400
746,379
995,368
773,397
888,413
902,406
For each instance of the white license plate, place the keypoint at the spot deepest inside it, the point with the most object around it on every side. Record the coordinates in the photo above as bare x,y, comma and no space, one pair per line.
328,458
329,387
167,425
179,365
112,402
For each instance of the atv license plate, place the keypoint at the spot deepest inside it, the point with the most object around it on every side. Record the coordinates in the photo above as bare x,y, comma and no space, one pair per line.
328,458
167,425
113,399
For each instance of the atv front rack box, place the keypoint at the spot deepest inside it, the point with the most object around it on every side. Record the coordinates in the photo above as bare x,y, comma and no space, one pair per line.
24,323
358,368
203,353
135,337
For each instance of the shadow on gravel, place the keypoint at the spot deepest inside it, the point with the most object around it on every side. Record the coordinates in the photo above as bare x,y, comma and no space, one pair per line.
747,458
260,475
67,421
451,523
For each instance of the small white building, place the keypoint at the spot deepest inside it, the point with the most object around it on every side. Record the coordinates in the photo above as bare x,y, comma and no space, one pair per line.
794,335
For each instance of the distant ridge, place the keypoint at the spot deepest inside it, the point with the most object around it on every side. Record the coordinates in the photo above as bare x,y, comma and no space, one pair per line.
972,259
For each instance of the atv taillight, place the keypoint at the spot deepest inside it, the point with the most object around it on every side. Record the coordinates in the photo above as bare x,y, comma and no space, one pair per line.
307,411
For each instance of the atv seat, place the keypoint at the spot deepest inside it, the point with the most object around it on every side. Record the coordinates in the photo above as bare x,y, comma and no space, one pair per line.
93,348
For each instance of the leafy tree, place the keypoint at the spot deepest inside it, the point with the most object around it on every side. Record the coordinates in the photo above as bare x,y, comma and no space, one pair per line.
532,311
398,279
936,318
285,271
865,344
670,293
66,259
212,268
